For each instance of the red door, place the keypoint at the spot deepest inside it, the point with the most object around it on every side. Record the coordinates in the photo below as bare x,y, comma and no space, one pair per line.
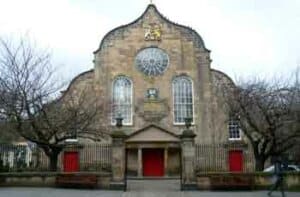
235,161
153,162
71,160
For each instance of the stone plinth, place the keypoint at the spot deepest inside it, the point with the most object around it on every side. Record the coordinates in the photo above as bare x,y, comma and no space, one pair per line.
118,159
188,155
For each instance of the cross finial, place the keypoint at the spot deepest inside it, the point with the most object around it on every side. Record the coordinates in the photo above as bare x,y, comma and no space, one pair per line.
151,1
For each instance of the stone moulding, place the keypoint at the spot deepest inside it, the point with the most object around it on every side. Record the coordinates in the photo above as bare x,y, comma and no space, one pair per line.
153,110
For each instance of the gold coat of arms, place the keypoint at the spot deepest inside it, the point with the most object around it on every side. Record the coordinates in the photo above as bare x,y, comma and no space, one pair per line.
153,32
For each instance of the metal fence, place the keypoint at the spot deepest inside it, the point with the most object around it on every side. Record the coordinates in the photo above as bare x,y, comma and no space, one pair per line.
14,156
92,157
215,157
97,158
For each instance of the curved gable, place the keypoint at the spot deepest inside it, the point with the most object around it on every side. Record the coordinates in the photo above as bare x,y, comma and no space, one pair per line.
151,11
220,79
222,86
79,82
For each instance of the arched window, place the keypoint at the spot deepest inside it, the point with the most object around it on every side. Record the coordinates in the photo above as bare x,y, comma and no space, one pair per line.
122,100
182,99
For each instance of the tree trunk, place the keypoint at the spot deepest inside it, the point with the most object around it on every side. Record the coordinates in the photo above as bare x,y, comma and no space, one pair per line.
53,161
259,163
52,153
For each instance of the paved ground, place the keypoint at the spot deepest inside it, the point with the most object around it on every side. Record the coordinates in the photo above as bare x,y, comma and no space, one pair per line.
153,188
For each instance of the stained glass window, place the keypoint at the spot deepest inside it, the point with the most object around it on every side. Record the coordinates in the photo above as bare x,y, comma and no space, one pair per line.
122,100
182,98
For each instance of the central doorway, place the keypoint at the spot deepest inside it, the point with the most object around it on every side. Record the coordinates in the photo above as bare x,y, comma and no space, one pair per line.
153,162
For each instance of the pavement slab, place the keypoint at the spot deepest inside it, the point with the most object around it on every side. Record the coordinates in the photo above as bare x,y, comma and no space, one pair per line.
136,188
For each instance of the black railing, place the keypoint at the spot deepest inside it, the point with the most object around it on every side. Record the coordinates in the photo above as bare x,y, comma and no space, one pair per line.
25,158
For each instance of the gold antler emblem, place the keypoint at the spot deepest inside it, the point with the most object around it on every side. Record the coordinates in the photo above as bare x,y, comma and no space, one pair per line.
153,32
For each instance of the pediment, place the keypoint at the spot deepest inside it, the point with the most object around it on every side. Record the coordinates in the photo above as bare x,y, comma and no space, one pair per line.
152,133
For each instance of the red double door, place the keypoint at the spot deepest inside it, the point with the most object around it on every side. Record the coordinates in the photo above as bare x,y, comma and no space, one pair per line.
235,161
153,162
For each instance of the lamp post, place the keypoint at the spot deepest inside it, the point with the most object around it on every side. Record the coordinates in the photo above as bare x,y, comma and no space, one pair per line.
119,120
188,122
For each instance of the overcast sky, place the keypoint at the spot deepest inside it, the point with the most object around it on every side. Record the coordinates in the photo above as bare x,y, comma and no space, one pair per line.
246,37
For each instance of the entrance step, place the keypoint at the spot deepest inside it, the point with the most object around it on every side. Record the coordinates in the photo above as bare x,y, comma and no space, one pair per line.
153,178
154,185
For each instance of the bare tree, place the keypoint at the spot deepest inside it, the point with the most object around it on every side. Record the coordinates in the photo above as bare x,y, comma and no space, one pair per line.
268,112
30,100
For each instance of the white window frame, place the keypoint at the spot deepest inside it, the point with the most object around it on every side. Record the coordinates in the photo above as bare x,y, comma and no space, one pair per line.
231,119
113,121
173,98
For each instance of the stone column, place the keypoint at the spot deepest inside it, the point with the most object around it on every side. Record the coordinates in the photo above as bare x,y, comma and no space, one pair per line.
166,161
140,163
187,157
118,159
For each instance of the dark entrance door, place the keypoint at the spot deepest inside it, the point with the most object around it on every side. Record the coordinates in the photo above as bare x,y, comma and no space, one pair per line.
153,162
235,161
71,160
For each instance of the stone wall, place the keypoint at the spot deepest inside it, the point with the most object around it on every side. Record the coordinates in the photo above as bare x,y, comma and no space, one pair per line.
173,162
47,179
235,181
132,162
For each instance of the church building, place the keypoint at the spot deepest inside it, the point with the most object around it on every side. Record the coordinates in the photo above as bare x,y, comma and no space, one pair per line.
156,75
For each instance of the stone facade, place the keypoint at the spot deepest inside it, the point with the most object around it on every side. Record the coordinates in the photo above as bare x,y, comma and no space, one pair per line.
153,120
187,55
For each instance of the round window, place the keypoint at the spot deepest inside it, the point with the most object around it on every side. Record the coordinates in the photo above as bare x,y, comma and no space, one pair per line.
152,61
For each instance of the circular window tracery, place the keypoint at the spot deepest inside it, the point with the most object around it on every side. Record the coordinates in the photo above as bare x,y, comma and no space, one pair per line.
152,61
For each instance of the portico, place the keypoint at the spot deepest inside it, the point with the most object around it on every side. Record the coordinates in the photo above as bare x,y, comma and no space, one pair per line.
153,151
